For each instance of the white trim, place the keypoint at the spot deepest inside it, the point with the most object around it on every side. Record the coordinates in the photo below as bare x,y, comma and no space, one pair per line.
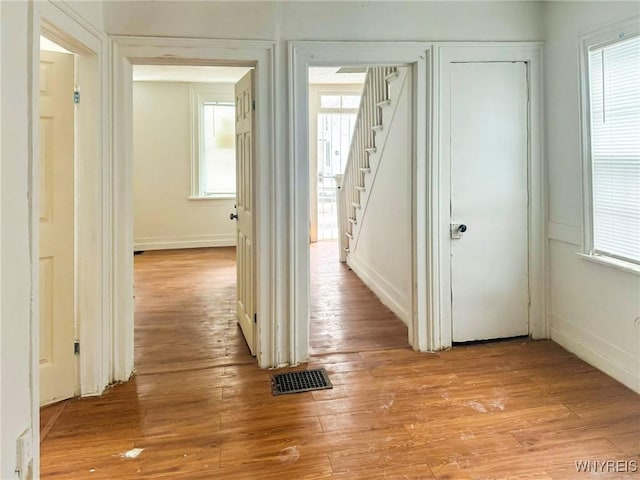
185,241
628,27
390,296
561,232
611,262
448,53
228,199
93,222
301,56
259,54
607,357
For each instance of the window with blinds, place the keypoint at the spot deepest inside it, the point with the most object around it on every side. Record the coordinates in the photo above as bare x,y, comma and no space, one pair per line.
614,86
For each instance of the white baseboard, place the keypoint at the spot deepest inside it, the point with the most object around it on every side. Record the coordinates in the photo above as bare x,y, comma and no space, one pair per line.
387,293
597,351
187,241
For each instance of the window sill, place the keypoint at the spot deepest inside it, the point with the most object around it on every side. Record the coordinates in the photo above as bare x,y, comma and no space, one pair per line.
213,197
612,262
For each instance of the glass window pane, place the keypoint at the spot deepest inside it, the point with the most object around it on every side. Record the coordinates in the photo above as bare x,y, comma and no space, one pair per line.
219,162
615,148
334,139
350,101
329,101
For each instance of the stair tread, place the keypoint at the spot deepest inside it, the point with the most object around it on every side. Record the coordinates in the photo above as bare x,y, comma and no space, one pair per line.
377,128
356,205
352,220
361,188
365,169
384,103
371,150
349,235
390,77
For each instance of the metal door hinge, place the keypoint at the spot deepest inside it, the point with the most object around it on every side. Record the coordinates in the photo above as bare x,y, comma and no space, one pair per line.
76,96
76,347
253,104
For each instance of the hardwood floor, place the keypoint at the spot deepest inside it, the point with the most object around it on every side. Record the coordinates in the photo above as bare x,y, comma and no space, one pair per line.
345,315
186,311
512,409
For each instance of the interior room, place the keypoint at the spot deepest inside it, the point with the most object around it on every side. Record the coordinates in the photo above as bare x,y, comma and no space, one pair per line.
507,249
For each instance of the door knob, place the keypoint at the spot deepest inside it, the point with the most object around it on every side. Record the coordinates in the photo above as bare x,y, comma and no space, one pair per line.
233,216
457,229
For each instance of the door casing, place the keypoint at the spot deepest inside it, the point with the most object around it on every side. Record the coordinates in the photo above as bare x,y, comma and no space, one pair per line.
127,51
60,23
303,55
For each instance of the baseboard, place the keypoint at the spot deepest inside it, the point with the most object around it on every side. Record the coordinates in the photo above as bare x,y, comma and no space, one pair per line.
187,241
597,352
387,293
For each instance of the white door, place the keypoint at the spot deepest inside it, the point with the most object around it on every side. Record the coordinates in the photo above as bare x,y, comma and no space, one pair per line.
57,359
489,261
245,310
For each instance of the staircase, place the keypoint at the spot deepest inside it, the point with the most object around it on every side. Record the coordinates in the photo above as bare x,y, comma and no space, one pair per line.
377,109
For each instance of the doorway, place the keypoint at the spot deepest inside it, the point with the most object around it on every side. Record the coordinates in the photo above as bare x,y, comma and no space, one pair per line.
355,299
192,142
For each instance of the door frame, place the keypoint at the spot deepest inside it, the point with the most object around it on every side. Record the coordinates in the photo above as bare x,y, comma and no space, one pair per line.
129,50
62,24
305,54
444,55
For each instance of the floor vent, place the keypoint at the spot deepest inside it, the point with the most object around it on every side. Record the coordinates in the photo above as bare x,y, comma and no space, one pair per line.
300,381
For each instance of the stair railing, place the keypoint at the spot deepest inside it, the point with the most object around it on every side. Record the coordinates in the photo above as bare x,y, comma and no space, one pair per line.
362,145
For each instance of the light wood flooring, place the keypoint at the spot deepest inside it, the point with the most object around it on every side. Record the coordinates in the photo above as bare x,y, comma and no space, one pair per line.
199,408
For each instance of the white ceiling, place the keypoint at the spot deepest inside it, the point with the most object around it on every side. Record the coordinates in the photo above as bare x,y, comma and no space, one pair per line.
178,73
49,46
193,74
328,75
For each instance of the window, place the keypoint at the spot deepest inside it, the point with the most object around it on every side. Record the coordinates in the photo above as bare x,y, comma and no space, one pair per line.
336,121
339,101
612,158
213,162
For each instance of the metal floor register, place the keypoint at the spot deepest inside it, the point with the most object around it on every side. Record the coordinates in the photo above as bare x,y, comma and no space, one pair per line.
300,381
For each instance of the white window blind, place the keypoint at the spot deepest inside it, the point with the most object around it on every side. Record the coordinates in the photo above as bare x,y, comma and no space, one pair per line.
614,85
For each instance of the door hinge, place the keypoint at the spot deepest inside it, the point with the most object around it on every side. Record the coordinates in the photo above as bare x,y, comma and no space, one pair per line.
253,104
76,347
255,318
76,96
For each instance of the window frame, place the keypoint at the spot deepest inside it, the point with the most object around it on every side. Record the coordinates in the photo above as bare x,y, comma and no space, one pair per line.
202,94
608,35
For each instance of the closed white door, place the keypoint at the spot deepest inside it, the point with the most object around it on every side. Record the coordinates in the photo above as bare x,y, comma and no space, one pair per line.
57,359
245,311
489,217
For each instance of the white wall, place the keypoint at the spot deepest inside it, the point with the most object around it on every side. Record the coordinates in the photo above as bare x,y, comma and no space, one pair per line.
284,21
15,346
592,307
333,21
18,402
164,217
381,249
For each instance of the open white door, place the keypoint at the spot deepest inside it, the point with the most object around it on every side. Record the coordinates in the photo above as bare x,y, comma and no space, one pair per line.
489,213
245,310
57,359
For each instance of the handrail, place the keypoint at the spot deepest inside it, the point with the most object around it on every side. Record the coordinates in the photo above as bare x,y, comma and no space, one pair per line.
369,115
